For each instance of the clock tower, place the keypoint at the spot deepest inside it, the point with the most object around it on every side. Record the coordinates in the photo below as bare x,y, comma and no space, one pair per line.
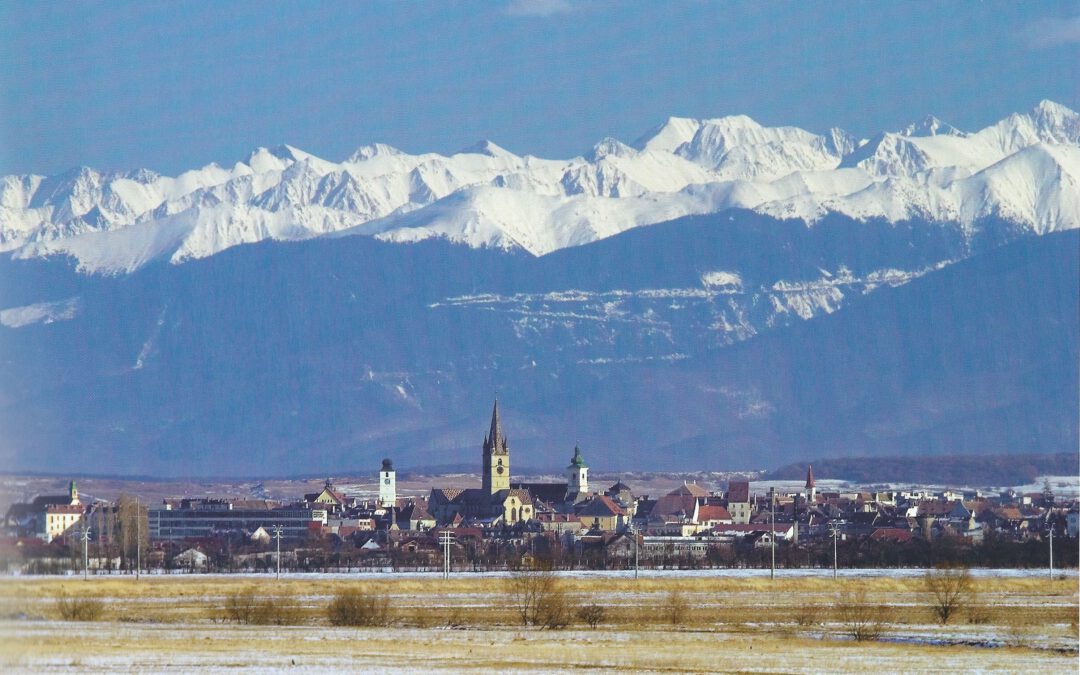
387,485
496,467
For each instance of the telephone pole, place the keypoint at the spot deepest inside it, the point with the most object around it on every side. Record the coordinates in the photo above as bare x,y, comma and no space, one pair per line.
1051,552
138,538
85,550
835,563
446,537
277,535
772,533
636,544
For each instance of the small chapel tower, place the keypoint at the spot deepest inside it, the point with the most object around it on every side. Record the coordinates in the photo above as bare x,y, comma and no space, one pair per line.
577,477
811,486
496,466
73,493
387,485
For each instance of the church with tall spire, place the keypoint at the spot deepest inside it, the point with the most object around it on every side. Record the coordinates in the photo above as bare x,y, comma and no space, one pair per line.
496,460
495,501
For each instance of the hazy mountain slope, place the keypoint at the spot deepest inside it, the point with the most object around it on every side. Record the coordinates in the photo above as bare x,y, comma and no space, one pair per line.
286,357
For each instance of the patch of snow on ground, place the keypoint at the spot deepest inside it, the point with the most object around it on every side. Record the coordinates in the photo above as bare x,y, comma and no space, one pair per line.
42,312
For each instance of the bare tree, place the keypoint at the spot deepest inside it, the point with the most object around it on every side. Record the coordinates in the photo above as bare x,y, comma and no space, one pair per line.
533,589
676,608
133,526
949,588
592,614
862,619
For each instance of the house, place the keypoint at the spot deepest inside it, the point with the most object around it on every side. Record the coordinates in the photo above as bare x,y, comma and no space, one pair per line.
762,534
328,499
259,536
48,516
602,513
192,559
713,514
413,516
738,501
559,523
891,534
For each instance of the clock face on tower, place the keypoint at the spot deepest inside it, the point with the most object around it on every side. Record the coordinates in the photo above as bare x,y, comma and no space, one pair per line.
499,470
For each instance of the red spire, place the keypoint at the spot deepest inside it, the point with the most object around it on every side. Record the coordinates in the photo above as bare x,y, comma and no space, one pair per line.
810,476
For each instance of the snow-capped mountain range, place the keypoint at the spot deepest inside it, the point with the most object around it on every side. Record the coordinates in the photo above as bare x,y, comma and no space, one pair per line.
1024,169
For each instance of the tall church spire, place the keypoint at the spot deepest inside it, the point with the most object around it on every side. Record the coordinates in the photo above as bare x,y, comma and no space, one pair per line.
495,437
811,485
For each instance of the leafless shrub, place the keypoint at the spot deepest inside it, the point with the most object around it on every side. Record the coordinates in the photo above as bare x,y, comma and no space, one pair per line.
949,588
676,608
245,607
456,618
277,611
240,606
1017,636
807,615
353,607
555,610
862,619
78,609
530,588
977,612
592,614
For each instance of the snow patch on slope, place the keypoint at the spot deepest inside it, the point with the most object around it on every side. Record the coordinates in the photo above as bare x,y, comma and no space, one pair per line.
42,312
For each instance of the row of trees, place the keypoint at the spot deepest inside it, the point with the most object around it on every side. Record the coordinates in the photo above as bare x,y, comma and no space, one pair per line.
119,540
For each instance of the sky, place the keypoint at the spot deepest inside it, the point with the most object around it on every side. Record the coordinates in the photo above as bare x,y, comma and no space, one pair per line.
174,86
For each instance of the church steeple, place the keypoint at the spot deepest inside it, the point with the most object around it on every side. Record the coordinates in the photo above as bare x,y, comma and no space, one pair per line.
811,484
577,477
496,466
495,436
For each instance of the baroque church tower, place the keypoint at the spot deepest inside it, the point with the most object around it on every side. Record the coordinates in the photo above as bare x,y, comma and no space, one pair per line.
496,456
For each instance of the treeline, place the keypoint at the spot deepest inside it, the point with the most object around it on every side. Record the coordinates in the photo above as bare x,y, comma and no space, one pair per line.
956,470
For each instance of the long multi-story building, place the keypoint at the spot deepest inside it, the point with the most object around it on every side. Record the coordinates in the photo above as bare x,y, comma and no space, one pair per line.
202,518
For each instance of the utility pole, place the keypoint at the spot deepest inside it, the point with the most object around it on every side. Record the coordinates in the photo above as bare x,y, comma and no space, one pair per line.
277,535
85,550
446,537
138,538
772,533
1051,552
835,527
636,544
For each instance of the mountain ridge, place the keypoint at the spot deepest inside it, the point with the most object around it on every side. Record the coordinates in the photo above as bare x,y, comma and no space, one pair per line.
487,196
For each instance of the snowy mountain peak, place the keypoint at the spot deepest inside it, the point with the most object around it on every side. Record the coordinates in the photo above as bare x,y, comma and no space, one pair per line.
667,137
263,160
930,126
486,148
1056,122
366,152
609,147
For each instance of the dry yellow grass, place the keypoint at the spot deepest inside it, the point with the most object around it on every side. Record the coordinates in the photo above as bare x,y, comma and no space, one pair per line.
734,624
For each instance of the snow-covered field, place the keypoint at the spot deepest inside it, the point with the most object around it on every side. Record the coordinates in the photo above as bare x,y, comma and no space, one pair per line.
735,620
51,647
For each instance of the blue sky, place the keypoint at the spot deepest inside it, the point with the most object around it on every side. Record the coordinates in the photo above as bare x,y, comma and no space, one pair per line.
172,86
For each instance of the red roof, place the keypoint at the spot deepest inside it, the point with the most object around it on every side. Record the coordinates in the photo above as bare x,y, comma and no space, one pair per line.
601,506
753,527
891,534
738,491
711,512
